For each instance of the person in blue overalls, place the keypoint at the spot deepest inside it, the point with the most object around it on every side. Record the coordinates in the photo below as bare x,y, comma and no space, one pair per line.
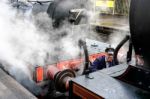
104,61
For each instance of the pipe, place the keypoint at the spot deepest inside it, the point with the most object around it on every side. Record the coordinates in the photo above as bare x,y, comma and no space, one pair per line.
61,78
52,71
127,37
82,45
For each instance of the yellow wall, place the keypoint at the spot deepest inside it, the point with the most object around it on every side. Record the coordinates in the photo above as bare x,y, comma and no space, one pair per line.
104,3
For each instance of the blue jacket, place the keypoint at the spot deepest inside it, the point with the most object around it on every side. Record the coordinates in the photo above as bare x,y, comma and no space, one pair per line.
100,63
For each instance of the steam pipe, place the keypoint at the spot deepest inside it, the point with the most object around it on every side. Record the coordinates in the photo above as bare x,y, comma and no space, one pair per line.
82,44
127,37
129,53
61,78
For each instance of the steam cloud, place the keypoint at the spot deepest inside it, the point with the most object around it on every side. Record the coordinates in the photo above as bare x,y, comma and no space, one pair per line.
27,40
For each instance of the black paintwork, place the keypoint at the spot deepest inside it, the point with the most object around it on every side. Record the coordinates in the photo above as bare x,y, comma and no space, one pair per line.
140,28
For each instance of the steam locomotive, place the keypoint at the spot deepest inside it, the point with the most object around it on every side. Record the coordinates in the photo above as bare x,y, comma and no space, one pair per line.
123,81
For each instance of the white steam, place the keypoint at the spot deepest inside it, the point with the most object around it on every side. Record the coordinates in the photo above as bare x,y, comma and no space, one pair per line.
20,43
27,41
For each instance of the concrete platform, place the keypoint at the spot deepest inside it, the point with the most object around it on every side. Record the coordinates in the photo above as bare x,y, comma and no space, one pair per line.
10,89
114,22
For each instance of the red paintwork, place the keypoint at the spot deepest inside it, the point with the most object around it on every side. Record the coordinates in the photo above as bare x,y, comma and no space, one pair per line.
74,63
52,70
68,64
39,73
